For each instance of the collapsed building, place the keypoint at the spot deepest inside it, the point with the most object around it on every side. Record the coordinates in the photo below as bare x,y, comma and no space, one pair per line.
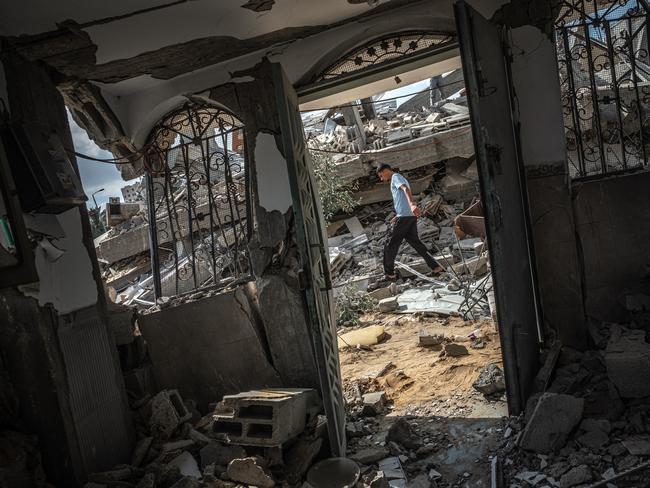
239,302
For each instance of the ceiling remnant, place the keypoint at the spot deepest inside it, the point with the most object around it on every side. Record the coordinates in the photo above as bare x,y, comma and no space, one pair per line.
259,5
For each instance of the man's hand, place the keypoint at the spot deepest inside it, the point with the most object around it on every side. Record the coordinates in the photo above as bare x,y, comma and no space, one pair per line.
416,210
393,220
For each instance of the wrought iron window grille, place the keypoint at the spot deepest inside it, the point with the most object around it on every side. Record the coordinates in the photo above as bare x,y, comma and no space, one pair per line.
604,68
198,200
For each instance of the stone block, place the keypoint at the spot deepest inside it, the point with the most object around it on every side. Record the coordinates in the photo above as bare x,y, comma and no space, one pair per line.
373,403
167,412
454,350
550,424
388,304
265,417
386,292
249,472
370,455
476,266
576,476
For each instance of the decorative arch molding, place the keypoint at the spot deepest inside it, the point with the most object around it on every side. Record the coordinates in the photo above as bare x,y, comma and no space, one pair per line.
382,51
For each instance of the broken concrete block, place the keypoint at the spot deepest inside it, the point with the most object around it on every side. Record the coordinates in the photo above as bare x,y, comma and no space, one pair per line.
454,350
550,424
382,293
167,412
249,472
266,418
402,433
425,339
370,455
576,476
627,358
476,266
388,304
373,403
368,336
491,380
457,187
220,454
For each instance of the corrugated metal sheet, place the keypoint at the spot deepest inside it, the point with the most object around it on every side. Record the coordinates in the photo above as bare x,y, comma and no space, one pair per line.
95,398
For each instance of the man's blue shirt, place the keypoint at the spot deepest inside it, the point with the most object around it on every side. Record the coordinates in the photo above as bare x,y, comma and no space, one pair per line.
400,202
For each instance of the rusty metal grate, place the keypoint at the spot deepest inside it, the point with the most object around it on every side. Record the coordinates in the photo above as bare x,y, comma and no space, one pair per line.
604,67
198,200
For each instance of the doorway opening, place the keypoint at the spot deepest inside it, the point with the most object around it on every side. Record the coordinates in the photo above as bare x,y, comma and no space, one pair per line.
425,348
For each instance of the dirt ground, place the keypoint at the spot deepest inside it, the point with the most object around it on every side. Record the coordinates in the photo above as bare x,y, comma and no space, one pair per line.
421,381
434,393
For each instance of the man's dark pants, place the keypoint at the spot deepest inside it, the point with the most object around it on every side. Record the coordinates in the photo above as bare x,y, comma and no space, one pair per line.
405,228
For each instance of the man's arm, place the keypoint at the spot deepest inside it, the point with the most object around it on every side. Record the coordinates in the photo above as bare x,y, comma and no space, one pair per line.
409,197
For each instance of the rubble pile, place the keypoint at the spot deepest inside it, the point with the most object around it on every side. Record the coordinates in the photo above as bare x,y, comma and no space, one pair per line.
356,252
352,133
179,448
592,424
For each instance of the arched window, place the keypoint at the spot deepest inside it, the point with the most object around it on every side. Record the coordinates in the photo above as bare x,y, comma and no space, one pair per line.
604,66
197,189
383,51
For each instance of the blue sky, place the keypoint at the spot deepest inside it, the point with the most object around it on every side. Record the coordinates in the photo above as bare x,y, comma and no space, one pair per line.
95,175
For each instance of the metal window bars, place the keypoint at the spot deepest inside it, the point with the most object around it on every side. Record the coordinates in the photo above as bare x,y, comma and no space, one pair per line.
604,67
198,200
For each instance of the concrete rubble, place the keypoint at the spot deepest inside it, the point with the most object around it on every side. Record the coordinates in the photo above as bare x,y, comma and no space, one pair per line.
591,425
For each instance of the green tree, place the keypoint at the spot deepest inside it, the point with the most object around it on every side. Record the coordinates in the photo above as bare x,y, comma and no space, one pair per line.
336,195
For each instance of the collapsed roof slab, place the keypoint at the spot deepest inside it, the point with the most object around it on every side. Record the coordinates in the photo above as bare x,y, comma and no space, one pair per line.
411,154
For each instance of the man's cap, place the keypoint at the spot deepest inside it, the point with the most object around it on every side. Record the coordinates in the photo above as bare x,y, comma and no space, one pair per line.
384,166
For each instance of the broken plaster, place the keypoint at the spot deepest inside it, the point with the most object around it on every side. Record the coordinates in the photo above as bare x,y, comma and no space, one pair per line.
66,282
272,174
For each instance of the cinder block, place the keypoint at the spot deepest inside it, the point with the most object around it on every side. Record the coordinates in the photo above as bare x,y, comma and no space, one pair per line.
265,417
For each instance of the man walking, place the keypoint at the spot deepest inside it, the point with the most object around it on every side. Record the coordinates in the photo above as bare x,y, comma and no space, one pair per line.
405,223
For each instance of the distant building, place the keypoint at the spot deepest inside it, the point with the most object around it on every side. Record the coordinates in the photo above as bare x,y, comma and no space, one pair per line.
133,193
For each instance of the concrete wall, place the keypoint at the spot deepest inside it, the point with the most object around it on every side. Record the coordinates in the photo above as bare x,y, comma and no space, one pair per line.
208,348
612,218
538,113
48,370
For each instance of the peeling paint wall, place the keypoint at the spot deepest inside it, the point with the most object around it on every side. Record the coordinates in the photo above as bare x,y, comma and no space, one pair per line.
272,175
66,281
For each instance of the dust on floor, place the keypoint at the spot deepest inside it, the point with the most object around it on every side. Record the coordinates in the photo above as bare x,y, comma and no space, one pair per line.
421,381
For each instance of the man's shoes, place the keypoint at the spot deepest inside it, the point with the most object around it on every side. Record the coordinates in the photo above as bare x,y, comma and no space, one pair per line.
436,270
393,277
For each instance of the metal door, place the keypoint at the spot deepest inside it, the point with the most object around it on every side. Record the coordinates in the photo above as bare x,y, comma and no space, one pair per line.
503,188
315,257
